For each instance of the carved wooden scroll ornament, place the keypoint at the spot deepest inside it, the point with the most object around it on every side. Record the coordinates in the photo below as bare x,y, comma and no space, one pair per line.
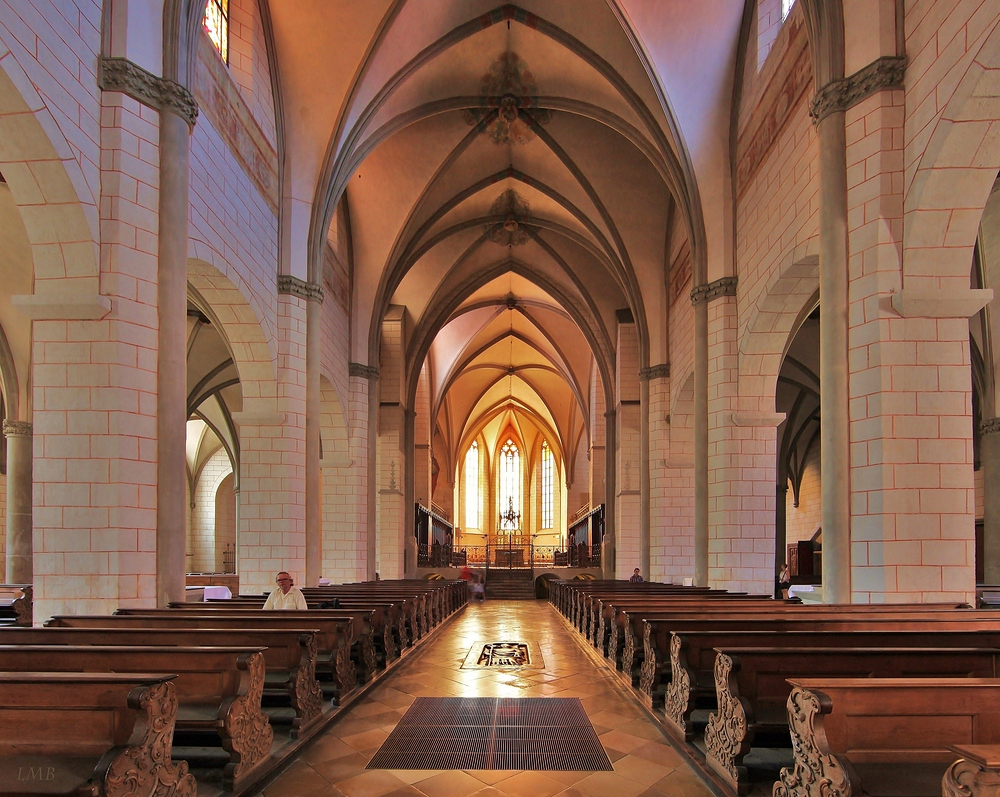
816,772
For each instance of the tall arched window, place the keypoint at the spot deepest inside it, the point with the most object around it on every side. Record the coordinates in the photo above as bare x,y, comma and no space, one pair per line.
217,26
510,485
786,6
472,487
547,485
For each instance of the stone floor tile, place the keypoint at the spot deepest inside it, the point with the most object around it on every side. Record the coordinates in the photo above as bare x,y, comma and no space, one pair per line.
298,779
371,783
412,776
328,748
682,782
343,768
369,741
491,776
659,752
450,784
641,770
620,741
531,784
609,784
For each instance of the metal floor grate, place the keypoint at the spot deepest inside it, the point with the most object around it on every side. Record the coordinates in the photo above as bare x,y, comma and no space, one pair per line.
539,733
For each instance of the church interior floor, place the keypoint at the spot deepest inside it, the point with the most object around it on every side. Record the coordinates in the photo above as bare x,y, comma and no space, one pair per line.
644,762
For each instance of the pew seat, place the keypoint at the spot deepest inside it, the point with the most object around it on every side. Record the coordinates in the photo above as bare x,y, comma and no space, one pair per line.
750,720
289,655
218,691
883,737
97,734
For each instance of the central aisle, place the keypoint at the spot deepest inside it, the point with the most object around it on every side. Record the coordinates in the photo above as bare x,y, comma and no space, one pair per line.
645,764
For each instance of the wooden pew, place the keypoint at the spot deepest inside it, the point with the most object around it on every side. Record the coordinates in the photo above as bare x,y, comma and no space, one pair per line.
377,643
659,654
882,736
387,619
98,734
16,604
289,656
975,774
218,690
334,635
362,645
752,691
626,628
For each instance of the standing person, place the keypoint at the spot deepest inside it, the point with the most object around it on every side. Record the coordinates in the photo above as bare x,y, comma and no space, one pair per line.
784,581
286,595
636,577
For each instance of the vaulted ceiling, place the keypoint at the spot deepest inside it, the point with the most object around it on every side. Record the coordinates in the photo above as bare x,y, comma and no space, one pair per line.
513,174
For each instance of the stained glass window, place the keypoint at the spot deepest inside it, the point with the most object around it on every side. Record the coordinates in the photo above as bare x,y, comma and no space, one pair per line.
217,26
510,486
472,487
547,486
786,6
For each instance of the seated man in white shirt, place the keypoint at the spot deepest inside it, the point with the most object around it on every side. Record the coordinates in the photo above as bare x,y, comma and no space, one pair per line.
285,595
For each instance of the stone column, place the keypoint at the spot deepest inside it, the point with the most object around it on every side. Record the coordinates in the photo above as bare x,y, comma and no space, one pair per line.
835,434
700,438
171,403
19,494
314,498
644,508
990,453
608,543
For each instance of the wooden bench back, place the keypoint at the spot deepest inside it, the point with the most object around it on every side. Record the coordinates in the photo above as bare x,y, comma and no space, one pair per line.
105,728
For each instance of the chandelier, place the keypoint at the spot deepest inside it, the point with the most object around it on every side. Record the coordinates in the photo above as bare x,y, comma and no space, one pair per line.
510,520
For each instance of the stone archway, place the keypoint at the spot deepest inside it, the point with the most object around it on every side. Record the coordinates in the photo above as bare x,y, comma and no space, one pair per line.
257,423
769,330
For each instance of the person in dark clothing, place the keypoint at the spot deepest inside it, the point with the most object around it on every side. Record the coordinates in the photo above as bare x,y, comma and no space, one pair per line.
636,577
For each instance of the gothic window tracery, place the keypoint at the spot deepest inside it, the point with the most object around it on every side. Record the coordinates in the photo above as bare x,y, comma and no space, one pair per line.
547,485
510,484
472,486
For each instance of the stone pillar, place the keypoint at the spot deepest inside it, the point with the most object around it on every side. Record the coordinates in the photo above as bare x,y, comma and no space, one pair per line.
314,498
609,543
780,525
628,448
990,453
644,513
171,390
598,443
393,435
19,494
700,438
835,434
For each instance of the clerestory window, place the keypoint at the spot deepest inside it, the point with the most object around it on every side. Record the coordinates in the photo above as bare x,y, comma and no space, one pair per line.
217,26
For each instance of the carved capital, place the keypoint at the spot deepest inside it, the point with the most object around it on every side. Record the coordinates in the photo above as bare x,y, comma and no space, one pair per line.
989,426
364,371
16,429
120,74
661,371
883,73
725,286
293,286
